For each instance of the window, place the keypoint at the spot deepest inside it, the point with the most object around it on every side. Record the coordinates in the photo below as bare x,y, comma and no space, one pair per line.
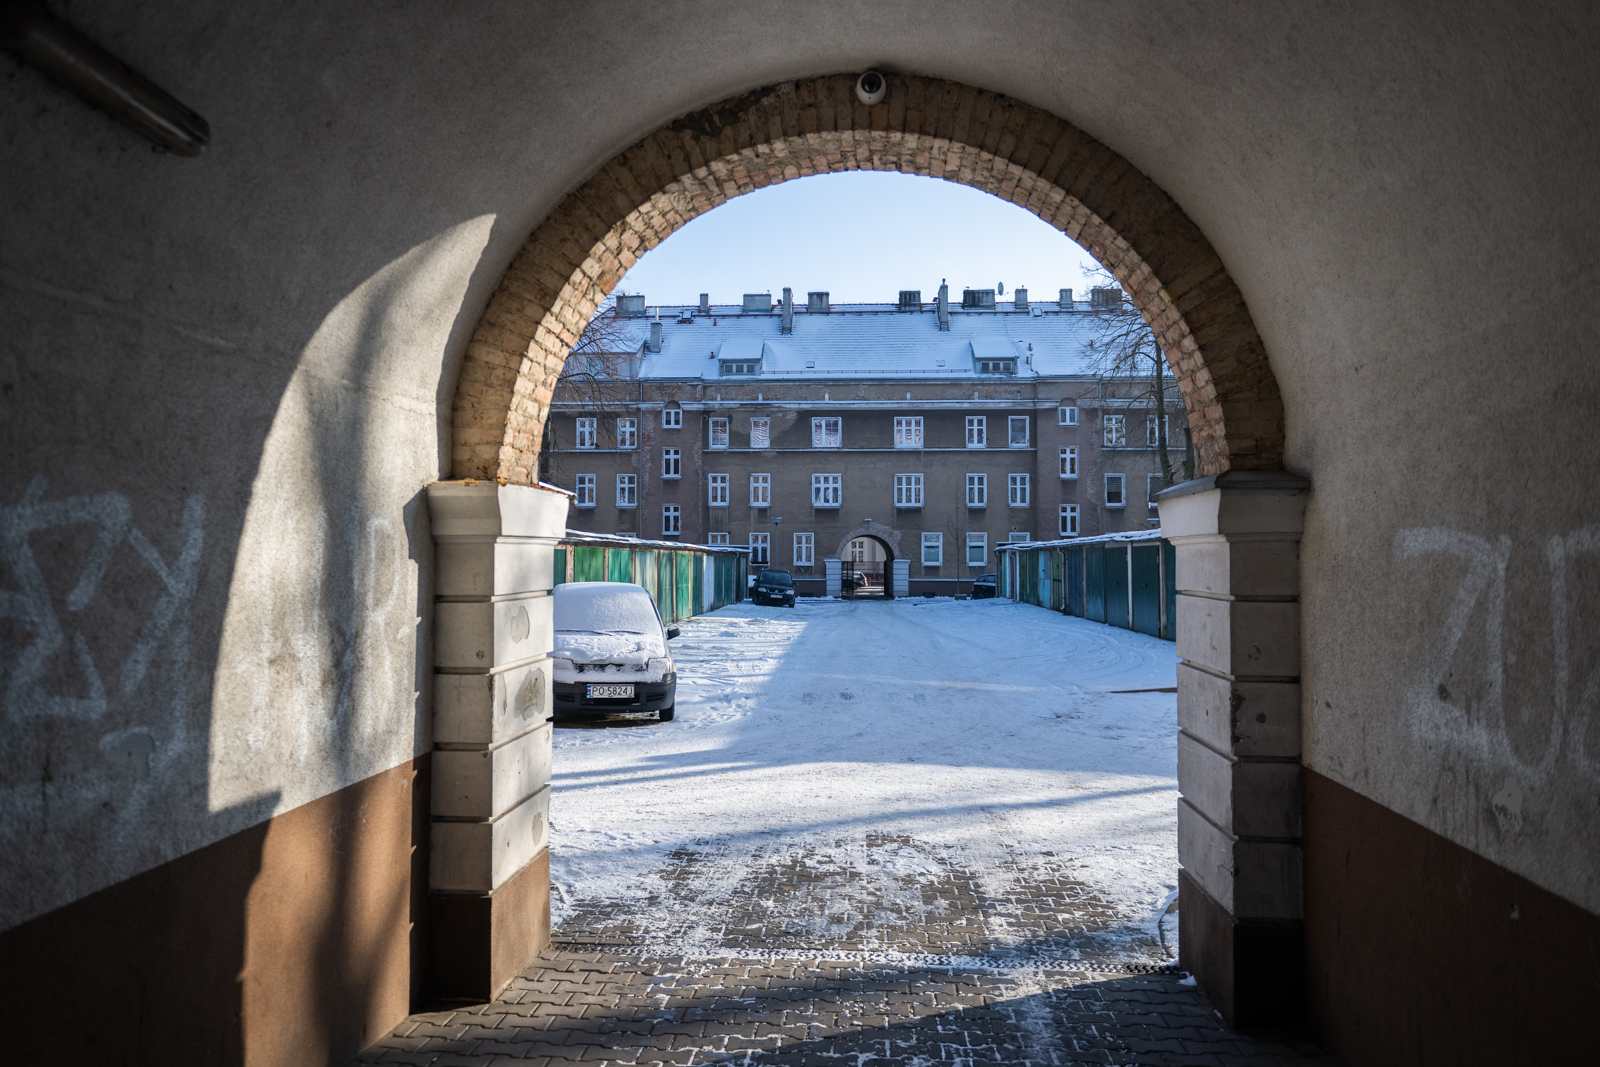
627,490
1069,520
741,368
1019,536
932,549
977,437
586,433
908,490
760,548
1152,486
977,549
908,431
760,433
717,537
1116,431
719,433
672,463
717,490
977,490
761,490
826,433
1069,462
672,418
1153,428
671,519
1019,431
997,366
1018,485
627,433
1116,494
804,549
585,489
825,490
1066,416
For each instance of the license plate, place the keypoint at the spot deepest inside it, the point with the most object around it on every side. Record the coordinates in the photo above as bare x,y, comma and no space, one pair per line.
610,692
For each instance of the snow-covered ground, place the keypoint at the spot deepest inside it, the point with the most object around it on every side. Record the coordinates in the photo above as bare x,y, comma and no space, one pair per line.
980,737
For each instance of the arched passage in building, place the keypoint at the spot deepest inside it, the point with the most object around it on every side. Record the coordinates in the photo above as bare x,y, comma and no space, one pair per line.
880,574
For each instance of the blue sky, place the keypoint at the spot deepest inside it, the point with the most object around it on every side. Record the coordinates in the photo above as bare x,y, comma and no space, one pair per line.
862,236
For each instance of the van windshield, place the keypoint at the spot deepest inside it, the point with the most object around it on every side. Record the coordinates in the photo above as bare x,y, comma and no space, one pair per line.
605,608
776,578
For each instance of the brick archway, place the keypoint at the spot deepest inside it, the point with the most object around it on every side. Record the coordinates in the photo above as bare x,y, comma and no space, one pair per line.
924,126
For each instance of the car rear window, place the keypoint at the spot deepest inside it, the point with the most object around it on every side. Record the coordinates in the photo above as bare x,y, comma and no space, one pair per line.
776,578
605,608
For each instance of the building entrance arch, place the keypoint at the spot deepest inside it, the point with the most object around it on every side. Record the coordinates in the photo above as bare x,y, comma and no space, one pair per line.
888,539
1241,910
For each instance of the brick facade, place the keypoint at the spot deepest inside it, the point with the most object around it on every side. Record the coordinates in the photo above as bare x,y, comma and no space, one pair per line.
924,126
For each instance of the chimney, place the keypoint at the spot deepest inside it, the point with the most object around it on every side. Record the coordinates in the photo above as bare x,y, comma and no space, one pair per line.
944,305
655,336
818,303
630,305
705,303
1019,299
788,310
1065,300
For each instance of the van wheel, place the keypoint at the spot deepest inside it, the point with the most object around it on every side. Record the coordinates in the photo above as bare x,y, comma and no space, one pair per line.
667,713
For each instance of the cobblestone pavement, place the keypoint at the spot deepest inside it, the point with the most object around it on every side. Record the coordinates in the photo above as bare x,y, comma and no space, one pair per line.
820,964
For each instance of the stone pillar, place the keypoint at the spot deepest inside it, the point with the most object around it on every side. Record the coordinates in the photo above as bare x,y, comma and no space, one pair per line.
902,577
489,883
833,569
1237,541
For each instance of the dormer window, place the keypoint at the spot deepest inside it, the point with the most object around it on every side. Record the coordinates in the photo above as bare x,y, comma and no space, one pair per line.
731,368
997,366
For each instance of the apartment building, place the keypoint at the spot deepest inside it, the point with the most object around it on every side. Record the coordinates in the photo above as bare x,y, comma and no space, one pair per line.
928,431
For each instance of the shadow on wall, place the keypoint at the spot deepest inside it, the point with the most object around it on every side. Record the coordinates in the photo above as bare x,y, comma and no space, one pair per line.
279,755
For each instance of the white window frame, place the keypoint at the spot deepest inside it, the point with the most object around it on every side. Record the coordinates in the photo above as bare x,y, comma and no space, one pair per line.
1012,422
761,490
584,490
977,431
821,438
717,433
716,490
717,537
627,433
672,418
671,520
760,433
805,550
1121,482
1069,461
1152,436
1018,490
933,540
977,490
1069,520
588,435
1066,416
1152,486
908,431
908,490
980,558
1116,431
1019,537
761,549
672,463
627,490
827,490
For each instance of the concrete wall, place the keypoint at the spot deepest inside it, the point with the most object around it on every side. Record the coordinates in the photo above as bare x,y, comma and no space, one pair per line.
221,387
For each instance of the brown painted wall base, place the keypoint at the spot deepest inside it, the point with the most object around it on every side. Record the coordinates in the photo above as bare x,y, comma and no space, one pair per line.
288,944
478,944
1251,971
1421,952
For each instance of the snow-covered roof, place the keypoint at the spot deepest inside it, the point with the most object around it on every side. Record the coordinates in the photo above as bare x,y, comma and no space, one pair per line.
1132,535
867,340
588,537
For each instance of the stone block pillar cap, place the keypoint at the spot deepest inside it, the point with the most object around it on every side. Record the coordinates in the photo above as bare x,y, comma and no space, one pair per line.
1276,480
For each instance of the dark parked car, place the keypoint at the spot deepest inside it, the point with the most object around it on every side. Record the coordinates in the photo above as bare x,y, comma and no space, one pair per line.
983,587
774,587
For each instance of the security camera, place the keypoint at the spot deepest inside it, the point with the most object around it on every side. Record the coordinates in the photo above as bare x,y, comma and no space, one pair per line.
871,87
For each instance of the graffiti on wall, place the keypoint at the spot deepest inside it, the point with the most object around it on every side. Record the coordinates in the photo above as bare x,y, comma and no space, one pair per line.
1466,699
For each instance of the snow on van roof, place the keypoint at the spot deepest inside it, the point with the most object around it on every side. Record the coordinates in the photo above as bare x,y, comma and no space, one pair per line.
605,607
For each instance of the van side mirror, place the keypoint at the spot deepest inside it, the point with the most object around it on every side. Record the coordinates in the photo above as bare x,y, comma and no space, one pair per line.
672,631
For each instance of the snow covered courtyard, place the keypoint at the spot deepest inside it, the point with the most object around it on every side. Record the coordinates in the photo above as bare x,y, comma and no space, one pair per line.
912,777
